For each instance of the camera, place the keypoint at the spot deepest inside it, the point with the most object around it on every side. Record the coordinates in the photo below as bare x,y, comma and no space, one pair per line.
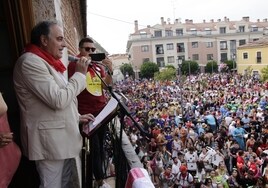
97,56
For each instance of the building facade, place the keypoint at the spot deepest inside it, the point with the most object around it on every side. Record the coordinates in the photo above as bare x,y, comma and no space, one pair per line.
252,57
167,42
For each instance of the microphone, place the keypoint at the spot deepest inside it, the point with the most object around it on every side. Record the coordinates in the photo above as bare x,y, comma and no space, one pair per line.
73,58
89,62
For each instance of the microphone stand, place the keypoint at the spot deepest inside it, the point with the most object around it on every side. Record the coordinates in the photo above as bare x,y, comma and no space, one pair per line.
123,110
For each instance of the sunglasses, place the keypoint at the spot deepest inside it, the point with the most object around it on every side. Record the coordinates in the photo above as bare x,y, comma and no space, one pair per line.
89,48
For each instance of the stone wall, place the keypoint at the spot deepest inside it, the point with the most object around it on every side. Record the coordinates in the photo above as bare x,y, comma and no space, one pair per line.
71,19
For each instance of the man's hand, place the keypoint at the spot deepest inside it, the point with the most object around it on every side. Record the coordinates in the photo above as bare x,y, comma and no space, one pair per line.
82,65
86,118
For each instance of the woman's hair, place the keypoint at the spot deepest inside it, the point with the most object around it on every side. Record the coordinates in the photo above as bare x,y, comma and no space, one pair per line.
200,165
207,180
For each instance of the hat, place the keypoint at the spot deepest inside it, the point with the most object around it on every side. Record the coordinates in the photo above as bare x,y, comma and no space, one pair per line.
204,125
183,168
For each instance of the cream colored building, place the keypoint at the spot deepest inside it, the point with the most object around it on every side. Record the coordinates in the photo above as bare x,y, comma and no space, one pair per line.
167,42
118,60
253,55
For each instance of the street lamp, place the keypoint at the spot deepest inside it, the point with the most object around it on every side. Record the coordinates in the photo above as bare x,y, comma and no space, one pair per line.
212,64
189,66
233,62
180,78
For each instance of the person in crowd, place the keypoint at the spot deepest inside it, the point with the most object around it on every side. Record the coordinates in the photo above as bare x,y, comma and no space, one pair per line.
207,183
175,169
191,158
239,133
49,137
184,178
211,121
176,146
240,162
92,100
166,177
10,153
250,142
233,180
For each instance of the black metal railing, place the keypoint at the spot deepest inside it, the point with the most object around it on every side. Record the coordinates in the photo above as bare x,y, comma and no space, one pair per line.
118,154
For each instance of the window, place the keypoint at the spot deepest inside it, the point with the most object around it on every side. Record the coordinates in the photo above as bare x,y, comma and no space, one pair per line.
160,62
254,28
241,29
195,57
245,55
242,42
169,33
258,57
159,49
208,31
209,44
158,33
145,48
143,34
209,57
179,32
193,31
194,44
180,47
182,57
223,45
232,46
145,60
222,30
170,59
224,57
170,46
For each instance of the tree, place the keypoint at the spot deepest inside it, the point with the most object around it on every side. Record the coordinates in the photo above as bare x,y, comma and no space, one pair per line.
148,69
211,67
264,72
166,74
127,69
248,72
231,64
191,67
170,66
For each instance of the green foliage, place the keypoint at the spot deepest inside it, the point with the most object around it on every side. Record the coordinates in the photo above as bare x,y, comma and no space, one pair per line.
231,64
166,74
211,67
148,69
248,72
194,67
127,69
170,66
264,72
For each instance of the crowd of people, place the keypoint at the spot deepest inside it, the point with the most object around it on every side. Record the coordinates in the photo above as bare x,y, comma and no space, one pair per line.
209,130
205,131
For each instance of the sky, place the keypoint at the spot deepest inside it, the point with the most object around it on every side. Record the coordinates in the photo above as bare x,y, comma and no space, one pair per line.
110,22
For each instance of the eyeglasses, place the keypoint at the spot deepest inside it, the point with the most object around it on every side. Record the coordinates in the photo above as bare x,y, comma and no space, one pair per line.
89,48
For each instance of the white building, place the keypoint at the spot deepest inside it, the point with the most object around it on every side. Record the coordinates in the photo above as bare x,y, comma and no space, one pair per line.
165,43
